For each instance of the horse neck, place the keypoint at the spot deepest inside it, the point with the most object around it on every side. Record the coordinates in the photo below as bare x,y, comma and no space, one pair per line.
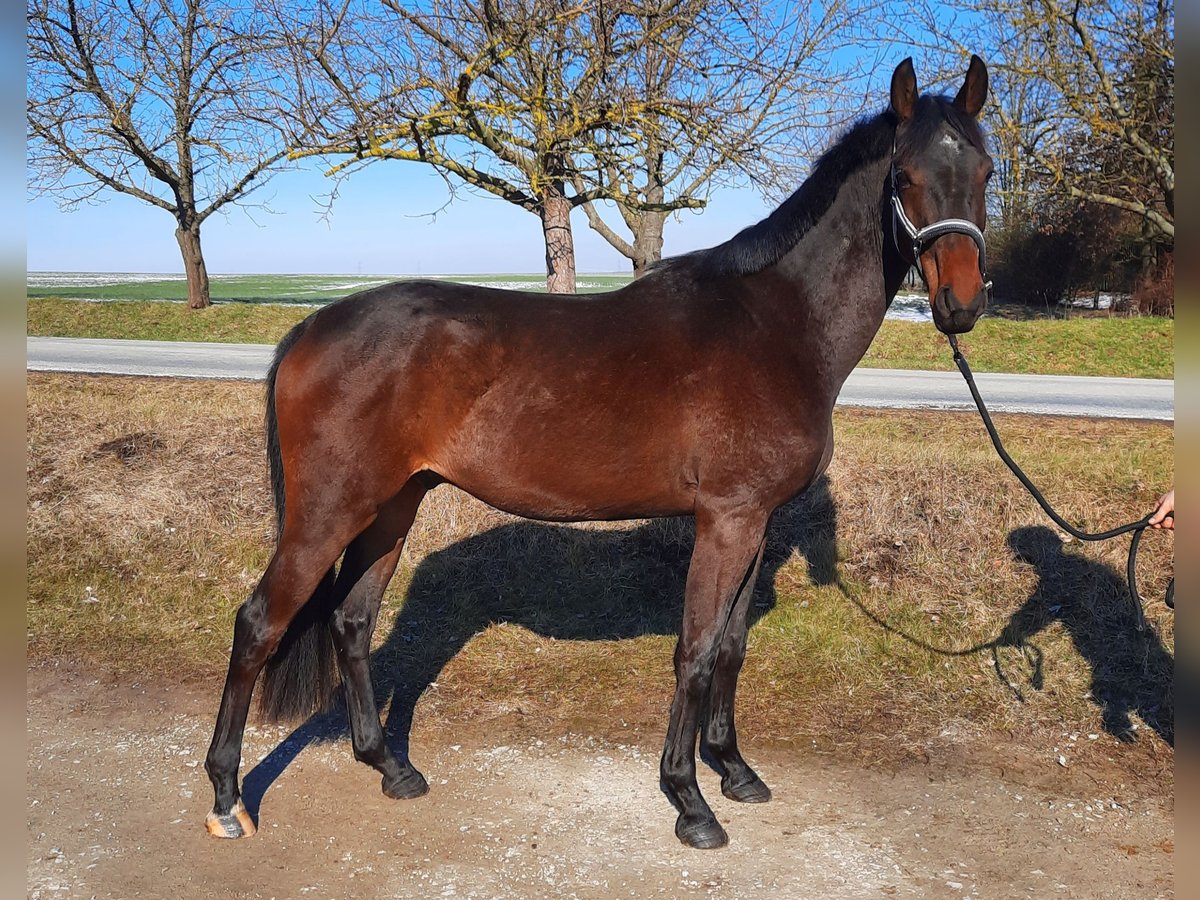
844,273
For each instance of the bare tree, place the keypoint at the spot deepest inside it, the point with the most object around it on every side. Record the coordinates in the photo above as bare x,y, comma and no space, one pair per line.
169,101
498,94
494,94
1086,100
554,105
1017,124
739,89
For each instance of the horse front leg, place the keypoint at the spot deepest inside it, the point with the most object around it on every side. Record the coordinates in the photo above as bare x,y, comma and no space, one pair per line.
727,546
718,735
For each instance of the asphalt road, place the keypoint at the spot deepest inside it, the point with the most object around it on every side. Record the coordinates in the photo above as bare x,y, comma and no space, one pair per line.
1062,395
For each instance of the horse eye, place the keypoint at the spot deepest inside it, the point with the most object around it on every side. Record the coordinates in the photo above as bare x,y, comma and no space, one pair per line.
902,179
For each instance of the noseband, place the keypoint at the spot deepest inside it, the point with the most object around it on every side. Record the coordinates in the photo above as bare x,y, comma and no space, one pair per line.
921,238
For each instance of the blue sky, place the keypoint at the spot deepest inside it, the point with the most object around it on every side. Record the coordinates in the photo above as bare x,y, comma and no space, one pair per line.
379,225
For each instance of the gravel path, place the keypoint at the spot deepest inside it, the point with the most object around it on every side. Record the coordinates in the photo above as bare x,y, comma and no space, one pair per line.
117,796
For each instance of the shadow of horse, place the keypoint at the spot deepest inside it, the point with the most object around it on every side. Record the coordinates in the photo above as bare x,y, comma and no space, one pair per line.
1132,672
561,582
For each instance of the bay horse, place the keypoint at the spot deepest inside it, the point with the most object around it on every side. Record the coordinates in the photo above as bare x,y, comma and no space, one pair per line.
704,388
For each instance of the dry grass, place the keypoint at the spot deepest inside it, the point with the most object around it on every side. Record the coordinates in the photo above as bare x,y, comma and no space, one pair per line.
150,521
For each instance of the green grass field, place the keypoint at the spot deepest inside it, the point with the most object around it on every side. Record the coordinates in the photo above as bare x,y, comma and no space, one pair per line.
1127,348
266,288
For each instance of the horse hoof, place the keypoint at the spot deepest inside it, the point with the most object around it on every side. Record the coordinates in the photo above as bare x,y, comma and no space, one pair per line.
234,824
705,834
409,785
752,791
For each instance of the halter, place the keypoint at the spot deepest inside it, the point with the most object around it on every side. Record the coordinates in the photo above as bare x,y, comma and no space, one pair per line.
923,237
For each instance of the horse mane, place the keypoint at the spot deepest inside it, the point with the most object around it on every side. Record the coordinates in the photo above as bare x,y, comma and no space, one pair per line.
867,141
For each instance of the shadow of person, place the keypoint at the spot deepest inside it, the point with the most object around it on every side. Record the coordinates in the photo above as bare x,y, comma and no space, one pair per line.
578,584
1132,672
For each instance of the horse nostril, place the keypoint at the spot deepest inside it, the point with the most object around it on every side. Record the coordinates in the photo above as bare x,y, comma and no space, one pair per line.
945,300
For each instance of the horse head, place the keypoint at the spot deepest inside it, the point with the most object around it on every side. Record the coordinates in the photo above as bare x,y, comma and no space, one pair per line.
940,168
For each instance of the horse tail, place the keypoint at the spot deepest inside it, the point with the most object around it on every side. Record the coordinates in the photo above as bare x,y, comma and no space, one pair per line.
301,676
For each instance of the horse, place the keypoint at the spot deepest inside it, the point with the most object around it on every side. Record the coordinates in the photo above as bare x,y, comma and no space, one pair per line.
704,388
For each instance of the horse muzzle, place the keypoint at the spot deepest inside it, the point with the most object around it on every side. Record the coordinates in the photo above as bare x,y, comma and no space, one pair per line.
951,315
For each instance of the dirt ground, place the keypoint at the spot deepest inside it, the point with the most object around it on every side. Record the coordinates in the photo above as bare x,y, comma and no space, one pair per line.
116,799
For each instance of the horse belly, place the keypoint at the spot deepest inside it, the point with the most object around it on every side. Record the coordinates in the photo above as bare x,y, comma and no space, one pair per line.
550,464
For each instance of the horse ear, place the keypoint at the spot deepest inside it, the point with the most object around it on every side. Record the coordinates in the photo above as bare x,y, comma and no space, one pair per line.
904,90
973,93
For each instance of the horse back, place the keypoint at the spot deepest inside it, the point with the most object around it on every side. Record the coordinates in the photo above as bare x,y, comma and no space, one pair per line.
603,406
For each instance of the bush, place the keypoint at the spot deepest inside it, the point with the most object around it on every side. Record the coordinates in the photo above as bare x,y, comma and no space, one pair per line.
1063,248
1154,294
1035,266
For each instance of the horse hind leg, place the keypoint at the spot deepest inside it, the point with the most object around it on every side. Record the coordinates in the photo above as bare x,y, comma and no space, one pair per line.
297,574
718,735
367,568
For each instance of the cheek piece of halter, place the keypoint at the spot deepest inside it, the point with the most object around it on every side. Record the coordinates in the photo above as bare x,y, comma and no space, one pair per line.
921,238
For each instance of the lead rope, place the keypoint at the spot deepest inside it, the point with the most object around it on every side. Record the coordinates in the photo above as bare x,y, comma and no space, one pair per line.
1136,527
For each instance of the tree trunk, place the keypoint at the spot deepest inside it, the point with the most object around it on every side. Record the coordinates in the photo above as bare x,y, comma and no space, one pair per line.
647,241
560,243
193,266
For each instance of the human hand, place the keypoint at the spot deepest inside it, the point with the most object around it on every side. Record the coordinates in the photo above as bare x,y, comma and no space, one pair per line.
1164,513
